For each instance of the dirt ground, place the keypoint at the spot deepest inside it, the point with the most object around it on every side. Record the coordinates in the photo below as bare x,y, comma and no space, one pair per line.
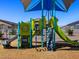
14,53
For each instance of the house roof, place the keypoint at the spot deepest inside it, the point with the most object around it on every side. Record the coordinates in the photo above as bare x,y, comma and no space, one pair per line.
73,23
8,22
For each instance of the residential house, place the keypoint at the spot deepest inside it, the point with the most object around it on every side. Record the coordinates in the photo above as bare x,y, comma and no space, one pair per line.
74,26
7,26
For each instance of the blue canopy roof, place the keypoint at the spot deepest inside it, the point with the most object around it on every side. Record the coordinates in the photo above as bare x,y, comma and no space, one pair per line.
36,5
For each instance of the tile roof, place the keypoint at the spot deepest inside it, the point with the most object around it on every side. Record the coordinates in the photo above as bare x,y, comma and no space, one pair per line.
8,22
73,23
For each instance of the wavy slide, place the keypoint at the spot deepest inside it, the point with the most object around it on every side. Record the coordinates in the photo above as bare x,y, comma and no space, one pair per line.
62,35
6,43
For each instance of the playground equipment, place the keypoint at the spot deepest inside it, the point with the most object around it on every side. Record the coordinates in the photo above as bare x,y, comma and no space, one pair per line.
60,5
26,31
62,35
53,5
57,29
6,43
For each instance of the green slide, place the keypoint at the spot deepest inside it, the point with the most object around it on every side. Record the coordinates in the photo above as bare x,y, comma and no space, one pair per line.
62,35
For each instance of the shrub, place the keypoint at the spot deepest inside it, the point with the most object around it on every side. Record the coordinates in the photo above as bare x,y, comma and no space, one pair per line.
70,32
0,34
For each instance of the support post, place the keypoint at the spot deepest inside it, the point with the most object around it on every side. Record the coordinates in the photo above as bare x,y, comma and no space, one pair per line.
47,31
18,45
54,14
42,39
36,36
30,32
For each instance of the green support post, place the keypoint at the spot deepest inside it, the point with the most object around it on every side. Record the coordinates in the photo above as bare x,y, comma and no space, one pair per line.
54,14
30,32
18,45
42,39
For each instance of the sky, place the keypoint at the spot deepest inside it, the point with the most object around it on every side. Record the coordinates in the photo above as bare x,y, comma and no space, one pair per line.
13,10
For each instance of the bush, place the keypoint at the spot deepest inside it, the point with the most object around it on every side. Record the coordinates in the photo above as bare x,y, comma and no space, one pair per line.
70,32
1,34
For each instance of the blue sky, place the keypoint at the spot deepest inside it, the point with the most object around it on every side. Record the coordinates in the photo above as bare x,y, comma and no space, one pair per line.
12,10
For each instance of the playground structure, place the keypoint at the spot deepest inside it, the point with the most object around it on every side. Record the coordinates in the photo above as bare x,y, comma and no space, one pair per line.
27,30
51,26
31,30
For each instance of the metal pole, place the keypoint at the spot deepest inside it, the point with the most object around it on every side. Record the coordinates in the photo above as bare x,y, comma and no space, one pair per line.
30,32
36,36
42,39
47,31
53,14
18,46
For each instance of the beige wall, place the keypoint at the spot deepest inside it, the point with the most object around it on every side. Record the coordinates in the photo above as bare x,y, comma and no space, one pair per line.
7,27
2,23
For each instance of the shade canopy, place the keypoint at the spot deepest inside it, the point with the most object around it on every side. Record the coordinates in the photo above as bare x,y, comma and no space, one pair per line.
68,3
60,5
25,3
